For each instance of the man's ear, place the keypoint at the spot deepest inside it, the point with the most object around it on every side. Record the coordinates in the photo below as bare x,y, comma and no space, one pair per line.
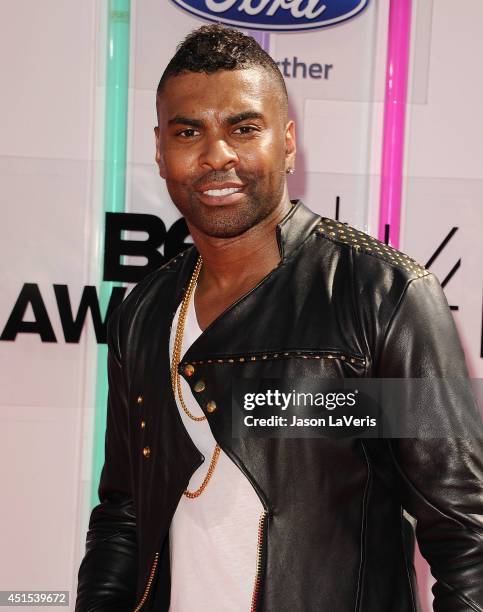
290,145
159,156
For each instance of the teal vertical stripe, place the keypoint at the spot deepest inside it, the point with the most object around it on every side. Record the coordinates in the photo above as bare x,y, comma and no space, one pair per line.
114,192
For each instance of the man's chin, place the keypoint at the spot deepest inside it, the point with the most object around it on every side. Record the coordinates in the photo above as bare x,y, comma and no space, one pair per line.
225,232
227,222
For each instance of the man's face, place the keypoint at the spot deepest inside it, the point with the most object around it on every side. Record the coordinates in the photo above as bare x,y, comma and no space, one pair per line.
223,144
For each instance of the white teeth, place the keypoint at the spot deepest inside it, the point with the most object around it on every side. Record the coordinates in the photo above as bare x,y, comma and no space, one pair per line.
222,192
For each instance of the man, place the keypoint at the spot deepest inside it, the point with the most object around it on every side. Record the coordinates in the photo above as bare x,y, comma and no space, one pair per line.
271,290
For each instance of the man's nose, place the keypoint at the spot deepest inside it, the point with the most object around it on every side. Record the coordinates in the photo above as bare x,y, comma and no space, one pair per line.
217,154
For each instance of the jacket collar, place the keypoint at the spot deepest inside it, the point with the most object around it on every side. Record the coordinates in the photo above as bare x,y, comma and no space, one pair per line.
294,228
291,232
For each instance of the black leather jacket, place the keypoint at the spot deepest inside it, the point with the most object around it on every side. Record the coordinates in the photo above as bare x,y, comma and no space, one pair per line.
333,537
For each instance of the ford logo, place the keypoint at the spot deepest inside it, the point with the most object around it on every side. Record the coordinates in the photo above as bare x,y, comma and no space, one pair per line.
278,15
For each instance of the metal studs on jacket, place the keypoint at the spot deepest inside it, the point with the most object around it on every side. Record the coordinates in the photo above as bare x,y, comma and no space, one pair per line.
342,233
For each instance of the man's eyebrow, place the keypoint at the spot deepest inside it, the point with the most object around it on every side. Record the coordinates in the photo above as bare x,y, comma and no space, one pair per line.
232,120
180,119
244,116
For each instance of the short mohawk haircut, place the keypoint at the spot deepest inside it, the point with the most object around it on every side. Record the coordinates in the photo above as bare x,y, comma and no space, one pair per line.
215,47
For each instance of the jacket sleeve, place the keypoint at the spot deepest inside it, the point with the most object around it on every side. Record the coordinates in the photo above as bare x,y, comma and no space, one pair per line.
107,574
439,472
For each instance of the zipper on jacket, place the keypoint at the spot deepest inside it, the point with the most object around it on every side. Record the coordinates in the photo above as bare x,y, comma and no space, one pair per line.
148,583
256,586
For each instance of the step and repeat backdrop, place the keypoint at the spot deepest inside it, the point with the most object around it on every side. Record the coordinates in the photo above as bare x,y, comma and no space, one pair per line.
56,243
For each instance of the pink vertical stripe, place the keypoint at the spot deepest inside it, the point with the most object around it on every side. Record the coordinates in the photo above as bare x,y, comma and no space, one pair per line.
394,118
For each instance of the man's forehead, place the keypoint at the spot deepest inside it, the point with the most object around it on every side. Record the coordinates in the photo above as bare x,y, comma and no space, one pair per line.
234,90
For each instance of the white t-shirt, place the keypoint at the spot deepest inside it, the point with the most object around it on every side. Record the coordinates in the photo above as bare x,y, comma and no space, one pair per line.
213,537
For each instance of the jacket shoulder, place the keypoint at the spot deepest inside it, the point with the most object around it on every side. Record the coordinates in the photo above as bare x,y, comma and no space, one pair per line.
159,279
162,274
362,243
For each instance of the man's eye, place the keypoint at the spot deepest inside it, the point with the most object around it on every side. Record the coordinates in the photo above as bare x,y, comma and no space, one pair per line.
187,133
245,129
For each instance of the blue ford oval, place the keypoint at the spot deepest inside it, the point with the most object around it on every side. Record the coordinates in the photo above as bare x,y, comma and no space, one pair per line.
277,15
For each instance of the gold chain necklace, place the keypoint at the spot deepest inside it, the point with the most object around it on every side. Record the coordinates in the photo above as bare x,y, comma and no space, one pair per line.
176,381
178,341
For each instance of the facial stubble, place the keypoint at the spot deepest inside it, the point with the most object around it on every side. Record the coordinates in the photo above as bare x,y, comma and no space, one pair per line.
229,221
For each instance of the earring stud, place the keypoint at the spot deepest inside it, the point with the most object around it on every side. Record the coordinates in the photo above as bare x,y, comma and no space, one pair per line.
290,171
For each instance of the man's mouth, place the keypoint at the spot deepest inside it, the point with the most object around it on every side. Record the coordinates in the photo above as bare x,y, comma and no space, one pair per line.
213,195
222,192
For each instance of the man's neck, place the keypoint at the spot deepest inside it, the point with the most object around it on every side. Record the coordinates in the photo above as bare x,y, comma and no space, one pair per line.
233,266
232,262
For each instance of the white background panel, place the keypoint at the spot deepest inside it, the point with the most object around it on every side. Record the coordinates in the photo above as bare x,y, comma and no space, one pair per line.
48,102
434,206
158,28
319,191
337,141
45,205
446,134
143,120
46,61
49,241
351,77
444,165
38,481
